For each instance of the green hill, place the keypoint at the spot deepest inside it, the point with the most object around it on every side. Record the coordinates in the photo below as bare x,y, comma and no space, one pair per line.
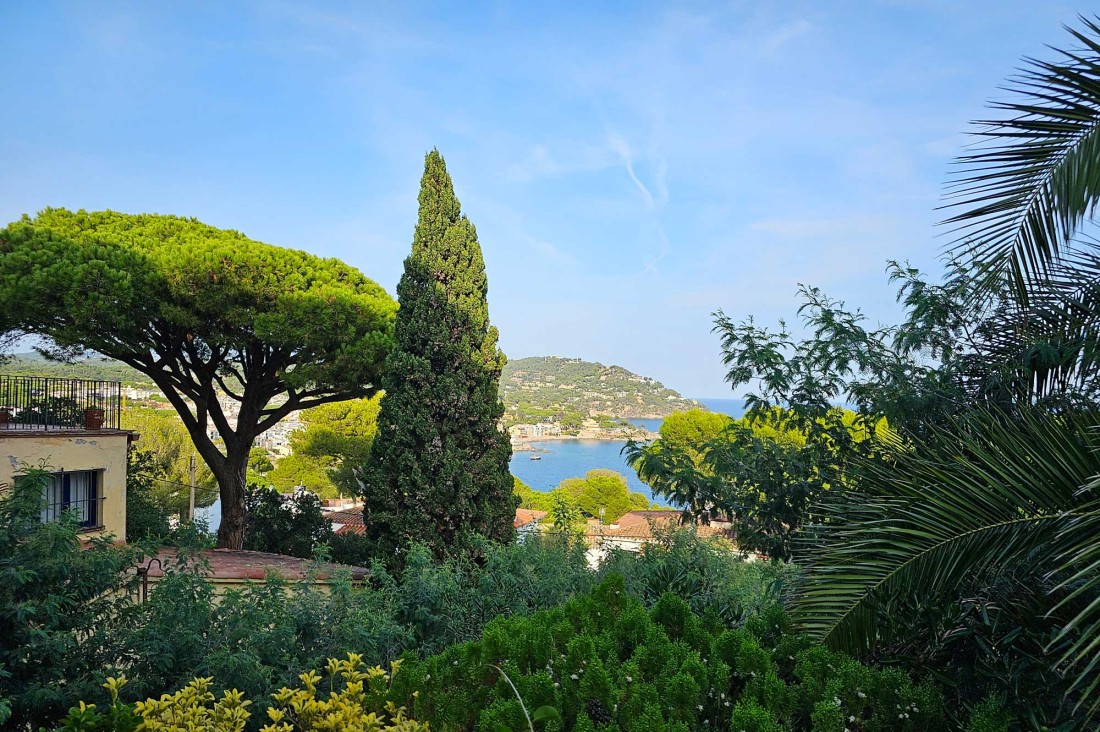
96,368
570,389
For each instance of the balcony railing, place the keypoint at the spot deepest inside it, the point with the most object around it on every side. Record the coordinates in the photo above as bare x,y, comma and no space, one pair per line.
47,403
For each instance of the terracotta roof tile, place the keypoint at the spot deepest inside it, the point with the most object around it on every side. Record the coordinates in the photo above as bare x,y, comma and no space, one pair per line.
349,521
229,564
525,516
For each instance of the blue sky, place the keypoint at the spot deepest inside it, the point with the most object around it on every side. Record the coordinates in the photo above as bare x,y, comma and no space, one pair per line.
630,166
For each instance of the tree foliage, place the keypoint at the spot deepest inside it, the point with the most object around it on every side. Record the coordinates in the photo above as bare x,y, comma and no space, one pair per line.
335,440
167,467
285,523
438,467
598,489
54,598
1029,184
207,314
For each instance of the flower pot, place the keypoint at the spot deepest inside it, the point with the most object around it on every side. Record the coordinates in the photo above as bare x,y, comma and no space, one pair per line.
93,418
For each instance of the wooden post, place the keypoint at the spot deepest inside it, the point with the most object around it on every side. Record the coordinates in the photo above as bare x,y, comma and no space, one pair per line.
191,509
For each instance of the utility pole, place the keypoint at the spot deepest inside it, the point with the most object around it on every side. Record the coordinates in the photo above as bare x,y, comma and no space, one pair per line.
191,504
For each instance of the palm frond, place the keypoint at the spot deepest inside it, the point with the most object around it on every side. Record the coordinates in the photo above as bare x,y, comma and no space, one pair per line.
935,522
1079,565
1034,177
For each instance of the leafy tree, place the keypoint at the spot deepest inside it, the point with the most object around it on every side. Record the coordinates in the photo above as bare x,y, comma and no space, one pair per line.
146,515
335,441
259,461
60,606
598,489
982,528
971,553
761,471
603,489
1029,186
166,469
209,315
438,467
285,523
310,472
692,428
565,515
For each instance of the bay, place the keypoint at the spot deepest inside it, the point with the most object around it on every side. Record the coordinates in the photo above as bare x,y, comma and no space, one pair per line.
562,459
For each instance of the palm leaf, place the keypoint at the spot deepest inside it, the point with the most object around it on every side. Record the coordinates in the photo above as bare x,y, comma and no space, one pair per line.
1079,565
1034,177
936,522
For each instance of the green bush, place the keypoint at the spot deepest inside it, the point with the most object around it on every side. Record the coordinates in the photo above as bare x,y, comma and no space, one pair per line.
609,664
54,598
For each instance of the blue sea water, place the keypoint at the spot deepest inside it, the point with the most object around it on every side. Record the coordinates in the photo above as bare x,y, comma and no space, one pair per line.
561,459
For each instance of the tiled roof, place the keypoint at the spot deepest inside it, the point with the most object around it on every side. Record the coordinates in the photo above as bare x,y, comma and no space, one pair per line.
525,516
230,564
640,525
347,522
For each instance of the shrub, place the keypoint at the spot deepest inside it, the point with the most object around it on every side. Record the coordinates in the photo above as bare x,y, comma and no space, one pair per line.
356,700
54,598
284,523
609,664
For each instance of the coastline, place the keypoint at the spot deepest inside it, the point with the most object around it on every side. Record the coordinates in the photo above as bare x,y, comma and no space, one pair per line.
523,444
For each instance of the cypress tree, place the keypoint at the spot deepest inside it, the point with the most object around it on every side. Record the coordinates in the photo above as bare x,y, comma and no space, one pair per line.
438,471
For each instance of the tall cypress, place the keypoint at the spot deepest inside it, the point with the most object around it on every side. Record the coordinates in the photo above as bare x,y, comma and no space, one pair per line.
438,468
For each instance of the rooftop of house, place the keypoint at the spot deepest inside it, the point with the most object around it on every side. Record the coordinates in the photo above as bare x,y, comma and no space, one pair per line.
641,526
241,565
525,516
347,521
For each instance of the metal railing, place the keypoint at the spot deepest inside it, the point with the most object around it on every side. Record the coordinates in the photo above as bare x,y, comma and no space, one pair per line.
48,403
88,512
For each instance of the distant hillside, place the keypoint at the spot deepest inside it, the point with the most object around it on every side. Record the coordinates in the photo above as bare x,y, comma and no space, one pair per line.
96,368
550,386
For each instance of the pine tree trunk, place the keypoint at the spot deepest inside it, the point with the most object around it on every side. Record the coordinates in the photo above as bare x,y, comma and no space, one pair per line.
231,485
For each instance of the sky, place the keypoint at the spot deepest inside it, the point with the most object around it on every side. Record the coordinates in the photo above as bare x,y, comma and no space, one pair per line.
631,167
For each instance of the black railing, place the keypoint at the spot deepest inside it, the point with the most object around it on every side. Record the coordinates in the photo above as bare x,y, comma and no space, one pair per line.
43,402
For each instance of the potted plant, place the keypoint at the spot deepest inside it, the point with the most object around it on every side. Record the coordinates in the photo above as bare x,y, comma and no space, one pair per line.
93,418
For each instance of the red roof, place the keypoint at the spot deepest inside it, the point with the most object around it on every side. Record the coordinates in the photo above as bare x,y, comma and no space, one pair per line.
526,516
639,525
230,564
349,521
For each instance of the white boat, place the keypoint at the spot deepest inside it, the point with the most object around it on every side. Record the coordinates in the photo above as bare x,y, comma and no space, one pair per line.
536,457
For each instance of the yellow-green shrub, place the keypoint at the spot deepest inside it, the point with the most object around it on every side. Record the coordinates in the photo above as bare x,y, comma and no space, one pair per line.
355,700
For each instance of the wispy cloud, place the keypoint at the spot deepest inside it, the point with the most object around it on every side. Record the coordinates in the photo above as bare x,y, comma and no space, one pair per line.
622,149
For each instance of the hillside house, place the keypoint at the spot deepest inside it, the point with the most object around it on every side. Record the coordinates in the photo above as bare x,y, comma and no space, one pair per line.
71,428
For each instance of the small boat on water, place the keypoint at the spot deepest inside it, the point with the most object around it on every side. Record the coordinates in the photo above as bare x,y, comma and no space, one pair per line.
536,457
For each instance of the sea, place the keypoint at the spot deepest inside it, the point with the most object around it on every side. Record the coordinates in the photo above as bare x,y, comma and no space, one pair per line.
562,459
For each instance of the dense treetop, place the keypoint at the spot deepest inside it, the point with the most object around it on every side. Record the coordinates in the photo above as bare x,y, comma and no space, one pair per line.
206,314
131,278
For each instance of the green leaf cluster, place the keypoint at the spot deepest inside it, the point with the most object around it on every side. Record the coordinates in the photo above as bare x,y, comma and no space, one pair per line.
334,442
204,313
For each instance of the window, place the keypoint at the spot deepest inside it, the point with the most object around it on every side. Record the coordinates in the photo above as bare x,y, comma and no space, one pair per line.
76,492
